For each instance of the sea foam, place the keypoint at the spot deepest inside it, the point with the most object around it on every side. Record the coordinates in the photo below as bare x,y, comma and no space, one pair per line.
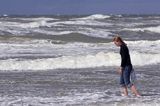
86,61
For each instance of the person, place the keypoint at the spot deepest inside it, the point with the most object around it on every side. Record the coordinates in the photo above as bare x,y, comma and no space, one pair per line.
126,67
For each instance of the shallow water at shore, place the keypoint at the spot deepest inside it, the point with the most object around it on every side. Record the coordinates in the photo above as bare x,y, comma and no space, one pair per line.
77,87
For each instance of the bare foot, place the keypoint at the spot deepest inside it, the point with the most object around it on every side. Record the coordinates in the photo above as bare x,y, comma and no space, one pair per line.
124,95
138,95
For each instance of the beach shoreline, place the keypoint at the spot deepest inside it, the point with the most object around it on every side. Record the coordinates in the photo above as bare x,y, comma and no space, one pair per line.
90,86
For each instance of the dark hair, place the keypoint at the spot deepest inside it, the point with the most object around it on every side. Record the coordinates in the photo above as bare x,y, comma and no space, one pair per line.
118,39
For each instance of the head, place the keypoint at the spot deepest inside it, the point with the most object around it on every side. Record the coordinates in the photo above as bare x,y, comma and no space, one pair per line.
118,41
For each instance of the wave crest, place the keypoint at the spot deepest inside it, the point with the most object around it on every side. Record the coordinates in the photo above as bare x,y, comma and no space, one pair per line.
95,16
151,29
98,60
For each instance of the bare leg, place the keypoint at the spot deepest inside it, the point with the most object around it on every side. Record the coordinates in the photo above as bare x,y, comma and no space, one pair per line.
125,91
134,90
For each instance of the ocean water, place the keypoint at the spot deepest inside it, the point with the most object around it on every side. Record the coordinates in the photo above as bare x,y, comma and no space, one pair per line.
72,61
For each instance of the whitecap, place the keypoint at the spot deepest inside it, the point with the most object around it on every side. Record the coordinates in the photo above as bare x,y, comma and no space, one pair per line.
95,16
152,29
83,61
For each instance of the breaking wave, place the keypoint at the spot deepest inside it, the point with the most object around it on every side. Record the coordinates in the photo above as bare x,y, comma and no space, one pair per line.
95,16
152,29
84,61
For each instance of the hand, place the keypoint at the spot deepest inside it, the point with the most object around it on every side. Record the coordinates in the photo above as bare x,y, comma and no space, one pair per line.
119,70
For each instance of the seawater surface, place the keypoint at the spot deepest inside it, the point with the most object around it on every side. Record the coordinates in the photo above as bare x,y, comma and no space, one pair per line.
71,60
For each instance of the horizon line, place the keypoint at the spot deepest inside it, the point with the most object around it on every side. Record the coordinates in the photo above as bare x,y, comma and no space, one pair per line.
77,14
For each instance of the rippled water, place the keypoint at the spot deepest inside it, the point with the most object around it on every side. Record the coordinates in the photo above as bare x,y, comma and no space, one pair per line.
71,60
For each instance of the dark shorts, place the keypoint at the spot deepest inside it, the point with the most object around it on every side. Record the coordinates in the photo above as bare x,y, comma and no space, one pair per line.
125,77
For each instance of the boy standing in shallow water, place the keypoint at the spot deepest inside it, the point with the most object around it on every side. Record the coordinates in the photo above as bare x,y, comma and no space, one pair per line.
126,67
